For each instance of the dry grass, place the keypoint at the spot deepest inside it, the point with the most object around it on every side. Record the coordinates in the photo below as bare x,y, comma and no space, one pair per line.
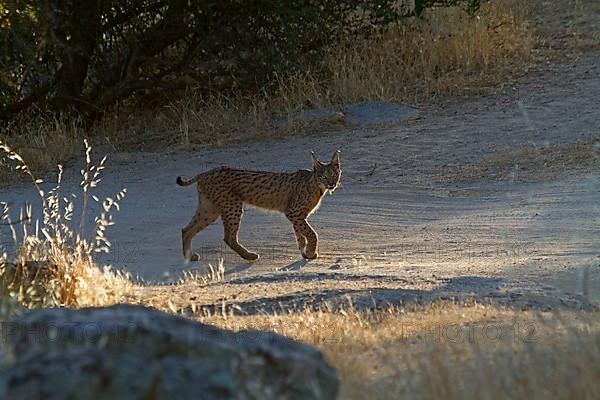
212,121
447,351
42,141
438,351
54,258
446,53
53,264
211,275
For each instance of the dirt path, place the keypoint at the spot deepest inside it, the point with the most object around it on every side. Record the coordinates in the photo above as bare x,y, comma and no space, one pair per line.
408,222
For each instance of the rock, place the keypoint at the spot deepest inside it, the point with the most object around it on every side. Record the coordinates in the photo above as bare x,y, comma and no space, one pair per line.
133,352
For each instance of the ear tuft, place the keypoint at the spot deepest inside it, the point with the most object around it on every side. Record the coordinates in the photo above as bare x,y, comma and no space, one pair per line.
316,163
335,159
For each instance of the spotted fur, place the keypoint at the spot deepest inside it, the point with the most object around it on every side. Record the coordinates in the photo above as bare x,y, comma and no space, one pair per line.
224,191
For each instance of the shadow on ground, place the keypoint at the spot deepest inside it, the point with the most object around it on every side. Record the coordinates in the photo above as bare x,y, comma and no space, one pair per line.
462,289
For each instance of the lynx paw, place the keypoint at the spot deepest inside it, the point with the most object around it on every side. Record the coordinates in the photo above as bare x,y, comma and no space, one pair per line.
250,256
310,256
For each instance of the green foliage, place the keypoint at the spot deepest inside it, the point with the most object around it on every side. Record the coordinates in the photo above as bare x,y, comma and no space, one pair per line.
473,6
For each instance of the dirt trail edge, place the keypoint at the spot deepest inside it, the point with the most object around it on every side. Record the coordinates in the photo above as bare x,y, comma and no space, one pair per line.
406,224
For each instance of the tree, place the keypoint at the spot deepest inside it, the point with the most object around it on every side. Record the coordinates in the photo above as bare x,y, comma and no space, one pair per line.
87,55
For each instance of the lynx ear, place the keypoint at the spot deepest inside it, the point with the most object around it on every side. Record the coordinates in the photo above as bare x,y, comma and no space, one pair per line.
335,159
316,163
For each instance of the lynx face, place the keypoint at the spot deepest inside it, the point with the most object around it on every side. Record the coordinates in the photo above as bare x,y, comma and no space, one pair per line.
328,175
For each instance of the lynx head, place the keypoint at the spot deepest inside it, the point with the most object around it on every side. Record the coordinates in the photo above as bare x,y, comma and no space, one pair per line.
327,175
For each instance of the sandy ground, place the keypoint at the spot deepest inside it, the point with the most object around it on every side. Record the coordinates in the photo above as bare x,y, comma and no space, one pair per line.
407,224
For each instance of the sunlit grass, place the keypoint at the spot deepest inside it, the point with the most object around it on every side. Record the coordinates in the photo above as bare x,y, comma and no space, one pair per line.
443,350
53,264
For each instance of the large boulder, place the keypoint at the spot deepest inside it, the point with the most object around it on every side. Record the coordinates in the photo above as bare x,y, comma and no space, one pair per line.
133,352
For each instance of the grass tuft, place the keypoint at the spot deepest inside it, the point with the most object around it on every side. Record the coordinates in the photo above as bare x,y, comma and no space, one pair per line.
211,275
54,258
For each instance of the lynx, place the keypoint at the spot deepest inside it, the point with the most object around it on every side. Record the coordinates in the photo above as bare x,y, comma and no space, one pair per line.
223,191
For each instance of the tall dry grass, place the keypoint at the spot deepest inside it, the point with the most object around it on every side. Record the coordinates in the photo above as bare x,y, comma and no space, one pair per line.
448,52
42,141
447,351
53,264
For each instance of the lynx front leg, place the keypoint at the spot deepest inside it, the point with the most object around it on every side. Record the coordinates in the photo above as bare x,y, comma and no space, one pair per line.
306,235
231,226
300,237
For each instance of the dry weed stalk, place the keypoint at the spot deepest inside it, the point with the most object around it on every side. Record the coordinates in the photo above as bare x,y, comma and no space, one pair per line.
213,274
54,263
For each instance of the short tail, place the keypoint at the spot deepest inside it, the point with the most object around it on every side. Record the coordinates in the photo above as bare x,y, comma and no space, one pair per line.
187,182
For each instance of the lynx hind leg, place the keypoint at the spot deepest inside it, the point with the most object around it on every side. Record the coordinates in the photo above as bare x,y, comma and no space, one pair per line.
306,235
205,215
231,225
